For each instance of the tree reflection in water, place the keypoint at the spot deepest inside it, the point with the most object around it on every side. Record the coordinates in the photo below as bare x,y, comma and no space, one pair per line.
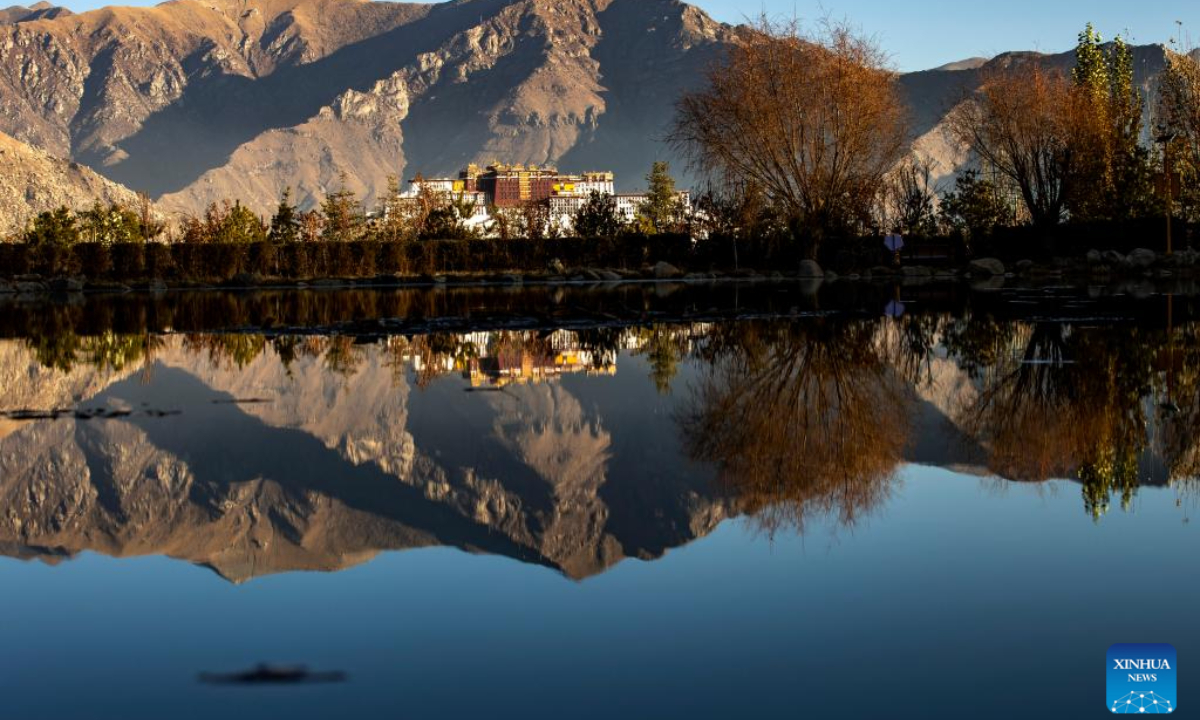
1057,400
814,415
801,418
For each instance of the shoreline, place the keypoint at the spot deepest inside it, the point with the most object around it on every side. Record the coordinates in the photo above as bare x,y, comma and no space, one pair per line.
1140,266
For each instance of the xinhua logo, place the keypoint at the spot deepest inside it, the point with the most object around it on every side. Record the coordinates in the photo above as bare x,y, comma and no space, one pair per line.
1141,679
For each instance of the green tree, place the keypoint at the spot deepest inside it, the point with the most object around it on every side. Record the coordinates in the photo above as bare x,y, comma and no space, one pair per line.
975,207
53,227
110,224
445,217
285,227
598,217
661,211
343,213
240,225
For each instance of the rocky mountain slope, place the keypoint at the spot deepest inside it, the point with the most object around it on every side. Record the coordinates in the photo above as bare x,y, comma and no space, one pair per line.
32,181
200,100
197,100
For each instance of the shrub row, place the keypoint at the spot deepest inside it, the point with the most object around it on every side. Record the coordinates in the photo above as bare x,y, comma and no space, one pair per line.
220,262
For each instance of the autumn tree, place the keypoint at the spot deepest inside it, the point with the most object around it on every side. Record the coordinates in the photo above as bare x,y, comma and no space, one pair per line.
1112,169
1178,116
343,213
813,119
1019,125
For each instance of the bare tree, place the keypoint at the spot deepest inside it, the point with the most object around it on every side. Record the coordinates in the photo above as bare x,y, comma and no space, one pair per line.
813,119
910,198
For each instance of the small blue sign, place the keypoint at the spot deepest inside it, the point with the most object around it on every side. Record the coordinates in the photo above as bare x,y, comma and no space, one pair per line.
1141,680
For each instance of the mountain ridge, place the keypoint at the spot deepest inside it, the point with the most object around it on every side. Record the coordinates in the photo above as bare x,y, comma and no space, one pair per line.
198,101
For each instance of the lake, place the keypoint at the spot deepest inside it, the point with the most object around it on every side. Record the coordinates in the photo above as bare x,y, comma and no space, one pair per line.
745,500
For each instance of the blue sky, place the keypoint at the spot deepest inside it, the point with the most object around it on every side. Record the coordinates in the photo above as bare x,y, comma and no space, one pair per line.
921,35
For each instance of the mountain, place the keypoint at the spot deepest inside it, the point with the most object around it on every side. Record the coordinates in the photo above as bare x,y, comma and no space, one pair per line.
195,101
37,11
32,181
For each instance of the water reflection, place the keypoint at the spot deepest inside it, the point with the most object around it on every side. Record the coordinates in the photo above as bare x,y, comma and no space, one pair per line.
802,417
573,449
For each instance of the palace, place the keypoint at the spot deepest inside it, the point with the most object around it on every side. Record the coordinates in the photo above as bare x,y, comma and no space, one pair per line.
504,187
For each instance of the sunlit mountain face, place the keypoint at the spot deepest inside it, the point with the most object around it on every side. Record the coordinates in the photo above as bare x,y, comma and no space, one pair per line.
299,447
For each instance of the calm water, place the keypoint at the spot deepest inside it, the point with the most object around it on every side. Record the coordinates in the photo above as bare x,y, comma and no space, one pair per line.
635,504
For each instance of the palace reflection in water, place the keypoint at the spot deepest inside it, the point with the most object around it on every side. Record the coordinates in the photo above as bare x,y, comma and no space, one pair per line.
255,453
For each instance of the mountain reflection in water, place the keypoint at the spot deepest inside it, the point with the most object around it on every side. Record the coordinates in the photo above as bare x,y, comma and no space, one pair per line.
593,445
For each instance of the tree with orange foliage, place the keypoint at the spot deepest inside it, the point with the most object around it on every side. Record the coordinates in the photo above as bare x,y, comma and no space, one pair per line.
813,120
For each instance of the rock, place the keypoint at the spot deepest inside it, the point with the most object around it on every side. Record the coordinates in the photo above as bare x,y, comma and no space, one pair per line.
666,271
439,279
6,287
810,269
66,285
610,276
987,267
881,271
1024,266
157,285
1142,259
1094,257
513,279
945,275
1114,258
332,282
695,276
830,276
556,267
29,286
777,276
916,271
591,274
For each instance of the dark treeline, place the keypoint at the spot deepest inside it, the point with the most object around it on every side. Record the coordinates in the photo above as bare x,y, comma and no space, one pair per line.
209,262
